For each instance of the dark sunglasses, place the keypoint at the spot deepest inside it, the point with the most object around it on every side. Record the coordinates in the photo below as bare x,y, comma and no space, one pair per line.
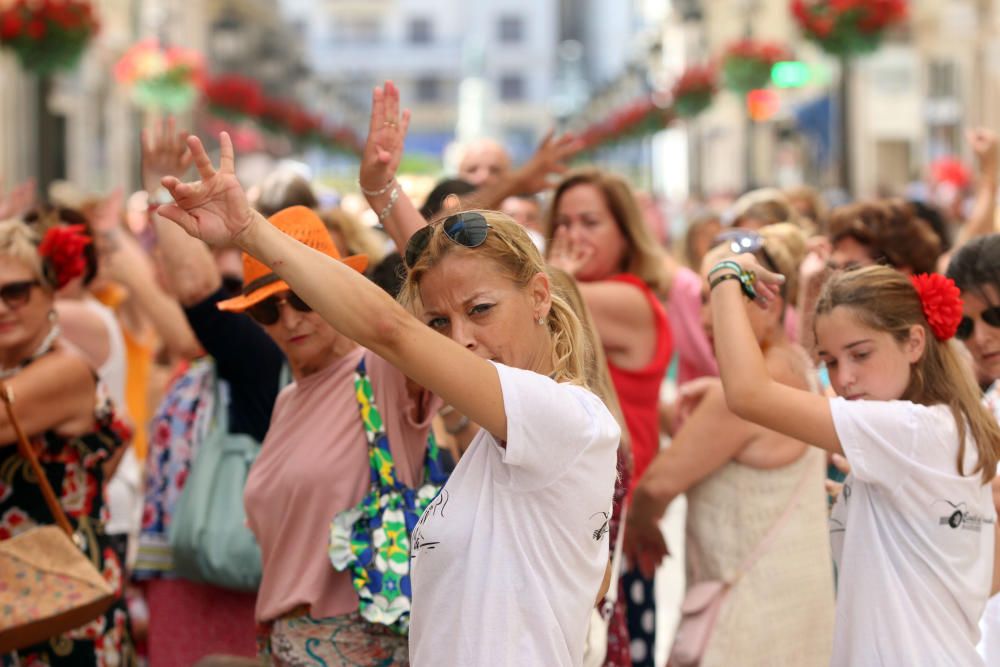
17,294
743,241
267,311
467,229
966,325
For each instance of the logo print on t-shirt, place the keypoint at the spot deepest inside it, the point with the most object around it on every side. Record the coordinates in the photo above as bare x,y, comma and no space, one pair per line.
957,516
604,527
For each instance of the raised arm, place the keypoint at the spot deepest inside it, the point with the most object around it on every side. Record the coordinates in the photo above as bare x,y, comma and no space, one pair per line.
750,392
982,220
379,163
215,209
188,263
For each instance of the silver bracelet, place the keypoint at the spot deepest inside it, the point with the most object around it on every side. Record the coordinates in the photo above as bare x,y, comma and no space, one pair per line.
388,208
462,424
380,191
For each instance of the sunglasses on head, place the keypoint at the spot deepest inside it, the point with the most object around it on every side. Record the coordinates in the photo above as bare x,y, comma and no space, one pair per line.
268,311
15,295
966,325
467,229
743,241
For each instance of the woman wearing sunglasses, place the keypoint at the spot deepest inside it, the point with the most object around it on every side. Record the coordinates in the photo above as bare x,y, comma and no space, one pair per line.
741,480
72,424
975,268
526,509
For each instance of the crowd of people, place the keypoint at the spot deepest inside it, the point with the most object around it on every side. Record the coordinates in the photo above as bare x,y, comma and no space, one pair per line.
286,437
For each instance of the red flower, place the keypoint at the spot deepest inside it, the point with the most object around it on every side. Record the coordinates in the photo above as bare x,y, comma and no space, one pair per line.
62,248
36,28
11,25
941,301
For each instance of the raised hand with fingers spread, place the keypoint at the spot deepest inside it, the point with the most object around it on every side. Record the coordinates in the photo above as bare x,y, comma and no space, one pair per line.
164,153
215,208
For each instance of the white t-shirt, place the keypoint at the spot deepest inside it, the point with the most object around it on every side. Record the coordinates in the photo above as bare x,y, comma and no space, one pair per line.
508,559
912,540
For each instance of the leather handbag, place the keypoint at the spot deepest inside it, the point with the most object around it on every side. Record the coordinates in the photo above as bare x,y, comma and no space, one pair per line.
209,538
47,585
595,648
703,601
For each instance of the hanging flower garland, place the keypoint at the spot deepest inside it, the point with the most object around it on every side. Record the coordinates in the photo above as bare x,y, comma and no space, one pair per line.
161,79
234,98
693,91
746,64
847,27
639,118
48,35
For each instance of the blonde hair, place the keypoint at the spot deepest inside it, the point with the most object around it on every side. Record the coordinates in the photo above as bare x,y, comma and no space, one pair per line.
360,240
18,241
511,250
885,300
644,257
598,375
786,245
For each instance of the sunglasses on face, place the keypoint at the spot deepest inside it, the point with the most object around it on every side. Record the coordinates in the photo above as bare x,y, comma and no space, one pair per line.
966,325
466,229
268,311
17,294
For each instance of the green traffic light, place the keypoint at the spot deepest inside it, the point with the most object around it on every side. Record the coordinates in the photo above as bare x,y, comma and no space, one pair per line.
790,74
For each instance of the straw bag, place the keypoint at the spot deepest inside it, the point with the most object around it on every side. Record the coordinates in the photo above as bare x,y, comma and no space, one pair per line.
47,585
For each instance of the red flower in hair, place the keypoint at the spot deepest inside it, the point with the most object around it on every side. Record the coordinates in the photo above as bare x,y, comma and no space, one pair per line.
62,249
941,301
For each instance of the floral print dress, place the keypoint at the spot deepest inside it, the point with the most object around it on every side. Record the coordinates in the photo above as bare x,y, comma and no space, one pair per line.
74,467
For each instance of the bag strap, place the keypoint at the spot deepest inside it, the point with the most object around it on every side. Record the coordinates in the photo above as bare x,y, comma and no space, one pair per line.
28,452
765,543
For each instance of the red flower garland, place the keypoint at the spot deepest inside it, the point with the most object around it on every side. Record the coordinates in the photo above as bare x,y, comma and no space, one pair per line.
62,249
941,301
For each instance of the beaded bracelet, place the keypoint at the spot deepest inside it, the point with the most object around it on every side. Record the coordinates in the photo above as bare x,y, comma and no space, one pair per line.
380,191
746,278
388,207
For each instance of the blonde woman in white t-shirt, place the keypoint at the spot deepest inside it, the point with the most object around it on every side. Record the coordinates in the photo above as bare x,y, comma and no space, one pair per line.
913,532
509,558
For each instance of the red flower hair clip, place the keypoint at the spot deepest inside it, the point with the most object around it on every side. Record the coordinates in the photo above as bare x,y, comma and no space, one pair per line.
62,253
941,301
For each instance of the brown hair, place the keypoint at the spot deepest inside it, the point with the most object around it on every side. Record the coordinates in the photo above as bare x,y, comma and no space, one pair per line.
644,257
510,248
891,231
885,300
359,239
598,375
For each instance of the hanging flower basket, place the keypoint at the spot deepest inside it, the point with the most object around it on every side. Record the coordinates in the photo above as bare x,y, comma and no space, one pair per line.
234,98
160,79
847,27
746,64
48,35
693,91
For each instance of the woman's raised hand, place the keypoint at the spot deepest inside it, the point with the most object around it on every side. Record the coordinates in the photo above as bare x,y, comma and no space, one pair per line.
214,208
767,284
566,254
386,136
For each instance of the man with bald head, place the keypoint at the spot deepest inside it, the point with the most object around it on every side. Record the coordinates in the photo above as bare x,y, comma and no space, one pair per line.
484,162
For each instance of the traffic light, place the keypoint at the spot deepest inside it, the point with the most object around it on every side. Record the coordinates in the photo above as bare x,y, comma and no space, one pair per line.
762,104
790,74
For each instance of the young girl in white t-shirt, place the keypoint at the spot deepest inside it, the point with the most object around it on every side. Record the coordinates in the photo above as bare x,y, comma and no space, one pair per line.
913,531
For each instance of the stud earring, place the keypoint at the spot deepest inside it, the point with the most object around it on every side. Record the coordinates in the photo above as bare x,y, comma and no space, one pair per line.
541,320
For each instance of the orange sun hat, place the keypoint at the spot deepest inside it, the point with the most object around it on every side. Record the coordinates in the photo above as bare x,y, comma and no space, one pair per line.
303,225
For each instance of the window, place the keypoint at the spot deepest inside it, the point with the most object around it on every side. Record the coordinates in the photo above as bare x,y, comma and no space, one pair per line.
942,79
356,30
428,89
419,31
511,29
511,88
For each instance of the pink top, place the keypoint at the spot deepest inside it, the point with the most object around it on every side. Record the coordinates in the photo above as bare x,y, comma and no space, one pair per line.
314,464
695,357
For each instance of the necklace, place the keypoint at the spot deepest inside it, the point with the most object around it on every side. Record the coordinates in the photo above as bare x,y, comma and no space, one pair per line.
42,348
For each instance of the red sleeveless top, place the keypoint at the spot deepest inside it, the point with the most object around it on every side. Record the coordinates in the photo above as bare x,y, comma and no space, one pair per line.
639,390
